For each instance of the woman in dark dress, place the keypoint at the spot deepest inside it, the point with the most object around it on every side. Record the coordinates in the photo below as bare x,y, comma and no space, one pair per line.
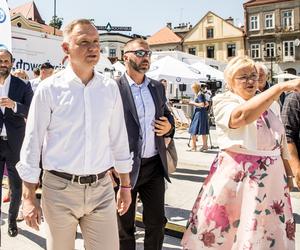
199,124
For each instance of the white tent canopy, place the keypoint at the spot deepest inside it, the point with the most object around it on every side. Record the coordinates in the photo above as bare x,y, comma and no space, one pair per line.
174,71
286,76
208,70
118,66
104,63
187,58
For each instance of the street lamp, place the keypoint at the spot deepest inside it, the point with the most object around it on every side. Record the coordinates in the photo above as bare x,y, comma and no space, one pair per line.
54,17
272,55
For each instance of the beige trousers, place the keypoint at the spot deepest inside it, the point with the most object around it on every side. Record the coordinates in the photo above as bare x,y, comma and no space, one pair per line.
66,204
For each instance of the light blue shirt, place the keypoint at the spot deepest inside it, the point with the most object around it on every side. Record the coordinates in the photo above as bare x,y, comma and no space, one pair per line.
146,113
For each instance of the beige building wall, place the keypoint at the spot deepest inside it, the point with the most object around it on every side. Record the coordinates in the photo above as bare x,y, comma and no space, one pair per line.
224,34
21,22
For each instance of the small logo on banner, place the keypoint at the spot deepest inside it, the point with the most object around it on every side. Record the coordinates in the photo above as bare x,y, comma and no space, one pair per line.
2,16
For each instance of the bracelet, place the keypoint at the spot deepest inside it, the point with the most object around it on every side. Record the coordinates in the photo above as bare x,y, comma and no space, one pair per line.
125,187
291,176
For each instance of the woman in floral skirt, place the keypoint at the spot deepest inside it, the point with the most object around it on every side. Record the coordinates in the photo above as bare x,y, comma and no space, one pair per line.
244,203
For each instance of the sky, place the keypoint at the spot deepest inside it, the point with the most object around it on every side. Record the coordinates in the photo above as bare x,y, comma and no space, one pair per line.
145,17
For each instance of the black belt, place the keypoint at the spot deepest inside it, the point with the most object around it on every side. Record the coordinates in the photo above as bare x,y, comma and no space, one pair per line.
80,179
150,159
3,138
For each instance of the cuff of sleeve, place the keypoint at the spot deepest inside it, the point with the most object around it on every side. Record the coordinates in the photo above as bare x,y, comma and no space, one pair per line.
170,132
124,166
28,174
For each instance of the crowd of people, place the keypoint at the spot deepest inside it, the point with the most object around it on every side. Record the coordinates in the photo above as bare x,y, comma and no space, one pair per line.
89,130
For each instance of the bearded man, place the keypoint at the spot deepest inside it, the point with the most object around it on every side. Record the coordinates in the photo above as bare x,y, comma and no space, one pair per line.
15,99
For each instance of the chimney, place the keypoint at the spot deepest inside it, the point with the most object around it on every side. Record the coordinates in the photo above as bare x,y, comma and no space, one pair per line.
229,20
169,25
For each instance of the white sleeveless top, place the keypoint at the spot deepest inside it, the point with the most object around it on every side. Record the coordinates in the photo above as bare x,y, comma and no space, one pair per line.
246,136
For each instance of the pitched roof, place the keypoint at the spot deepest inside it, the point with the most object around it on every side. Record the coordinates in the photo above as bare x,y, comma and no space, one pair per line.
29,11
164,36
212,13
261,2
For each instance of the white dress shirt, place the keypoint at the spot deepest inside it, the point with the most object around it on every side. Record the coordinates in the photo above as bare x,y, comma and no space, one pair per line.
4,89
81,128
146,113
34,83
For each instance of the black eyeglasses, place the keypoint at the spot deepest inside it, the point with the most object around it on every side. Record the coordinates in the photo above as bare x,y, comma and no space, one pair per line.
246,78
140,52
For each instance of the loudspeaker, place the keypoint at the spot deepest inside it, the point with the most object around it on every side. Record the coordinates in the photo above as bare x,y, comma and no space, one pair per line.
182,87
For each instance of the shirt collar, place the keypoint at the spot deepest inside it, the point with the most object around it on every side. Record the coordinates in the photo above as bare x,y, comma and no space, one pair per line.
132,82
6,81
71,76
241,100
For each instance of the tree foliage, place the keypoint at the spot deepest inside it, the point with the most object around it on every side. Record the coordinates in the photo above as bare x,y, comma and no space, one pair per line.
56,22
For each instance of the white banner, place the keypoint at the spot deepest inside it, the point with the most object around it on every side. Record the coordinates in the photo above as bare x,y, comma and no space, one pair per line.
5,26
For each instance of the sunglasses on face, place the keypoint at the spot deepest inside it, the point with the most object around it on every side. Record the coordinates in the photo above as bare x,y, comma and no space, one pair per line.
140,52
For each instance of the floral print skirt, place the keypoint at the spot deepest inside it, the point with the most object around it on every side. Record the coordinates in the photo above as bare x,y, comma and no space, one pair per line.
244,204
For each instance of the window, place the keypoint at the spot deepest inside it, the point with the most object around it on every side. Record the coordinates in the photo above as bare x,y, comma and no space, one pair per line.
112,53
269,21
288,51
210,51
270,49
231,50
255,50
287,18
254,23
210,33
192,51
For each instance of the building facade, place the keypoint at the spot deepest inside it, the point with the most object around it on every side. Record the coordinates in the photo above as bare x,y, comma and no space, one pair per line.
215,38
112,45
28,17
273,31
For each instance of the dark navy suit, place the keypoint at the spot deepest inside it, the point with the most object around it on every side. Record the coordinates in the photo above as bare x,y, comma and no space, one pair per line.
147,176
21,93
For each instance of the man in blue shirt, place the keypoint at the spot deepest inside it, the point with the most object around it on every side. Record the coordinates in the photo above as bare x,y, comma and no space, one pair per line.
148,122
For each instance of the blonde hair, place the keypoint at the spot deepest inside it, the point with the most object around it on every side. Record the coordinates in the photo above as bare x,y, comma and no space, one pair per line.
196,87
234,65
20,73
70,27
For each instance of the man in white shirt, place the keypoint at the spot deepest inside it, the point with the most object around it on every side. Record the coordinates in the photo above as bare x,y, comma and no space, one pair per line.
77,118
45,71
15,98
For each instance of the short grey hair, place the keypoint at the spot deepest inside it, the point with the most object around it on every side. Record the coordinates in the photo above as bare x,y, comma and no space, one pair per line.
69,28
262,66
